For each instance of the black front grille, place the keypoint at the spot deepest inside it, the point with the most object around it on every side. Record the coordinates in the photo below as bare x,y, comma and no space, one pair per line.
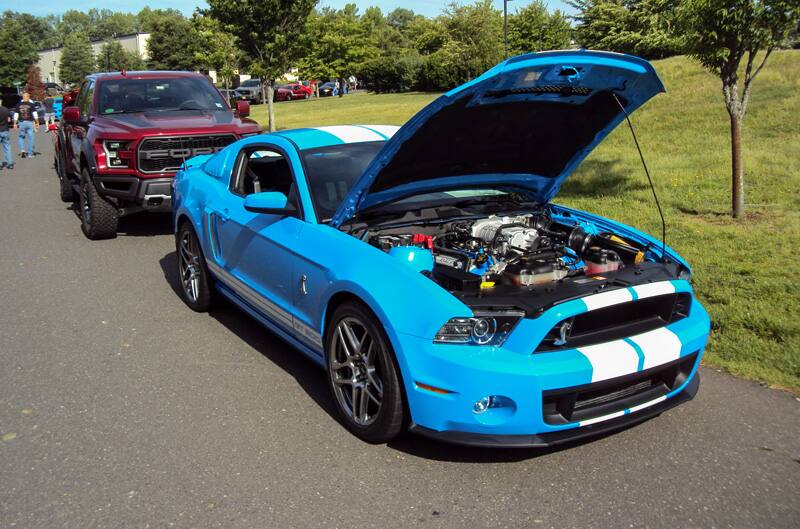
589,401
616,321
165,155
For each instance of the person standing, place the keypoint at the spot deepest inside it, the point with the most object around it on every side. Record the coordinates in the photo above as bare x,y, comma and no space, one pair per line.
49,111
26,119
5,140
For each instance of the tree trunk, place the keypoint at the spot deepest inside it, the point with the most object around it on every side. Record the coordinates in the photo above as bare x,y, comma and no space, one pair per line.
737,167
270,107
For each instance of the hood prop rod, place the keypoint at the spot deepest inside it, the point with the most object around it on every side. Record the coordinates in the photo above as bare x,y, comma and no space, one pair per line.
649,179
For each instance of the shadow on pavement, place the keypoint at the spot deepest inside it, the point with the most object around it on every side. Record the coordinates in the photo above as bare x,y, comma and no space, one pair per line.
141,224
308,375
312,380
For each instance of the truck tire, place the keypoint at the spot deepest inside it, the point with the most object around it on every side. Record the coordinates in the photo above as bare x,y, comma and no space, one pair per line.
99,217
65,191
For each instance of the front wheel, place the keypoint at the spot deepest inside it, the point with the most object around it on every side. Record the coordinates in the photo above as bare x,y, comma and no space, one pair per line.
99,217
196,282
363,375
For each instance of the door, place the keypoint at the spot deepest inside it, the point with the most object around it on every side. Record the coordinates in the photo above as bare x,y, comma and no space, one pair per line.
254,250
76,132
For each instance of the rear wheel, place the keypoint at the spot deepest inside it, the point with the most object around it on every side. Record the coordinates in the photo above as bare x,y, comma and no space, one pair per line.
99,217
65,190
363,375
196,282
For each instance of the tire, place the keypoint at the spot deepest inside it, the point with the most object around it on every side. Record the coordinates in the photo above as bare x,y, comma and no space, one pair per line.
65,189
364,354
197,285
99,217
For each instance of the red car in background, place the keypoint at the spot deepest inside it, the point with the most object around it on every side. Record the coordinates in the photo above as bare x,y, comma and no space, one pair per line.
299,91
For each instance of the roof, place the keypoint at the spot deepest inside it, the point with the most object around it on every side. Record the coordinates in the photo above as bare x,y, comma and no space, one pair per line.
144,74
311,138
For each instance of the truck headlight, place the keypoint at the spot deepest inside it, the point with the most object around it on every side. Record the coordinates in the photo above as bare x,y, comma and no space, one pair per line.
484,328
112,149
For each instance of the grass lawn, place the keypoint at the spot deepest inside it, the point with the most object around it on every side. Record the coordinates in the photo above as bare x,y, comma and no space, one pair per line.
747,272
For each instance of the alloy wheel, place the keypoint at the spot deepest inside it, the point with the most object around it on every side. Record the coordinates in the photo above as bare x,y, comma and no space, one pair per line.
356,371
189,266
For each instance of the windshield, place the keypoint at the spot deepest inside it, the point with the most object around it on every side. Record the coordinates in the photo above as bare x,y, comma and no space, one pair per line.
332,171
251,82
154,95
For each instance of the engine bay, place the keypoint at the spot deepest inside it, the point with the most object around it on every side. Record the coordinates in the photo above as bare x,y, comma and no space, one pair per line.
503,254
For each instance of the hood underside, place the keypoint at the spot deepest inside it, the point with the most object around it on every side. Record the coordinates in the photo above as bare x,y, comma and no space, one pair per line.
526,123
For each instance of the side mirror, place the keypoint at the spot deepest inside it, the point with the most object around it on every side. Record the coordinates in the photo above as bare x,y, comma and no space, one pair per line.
243,108
269,202
71,114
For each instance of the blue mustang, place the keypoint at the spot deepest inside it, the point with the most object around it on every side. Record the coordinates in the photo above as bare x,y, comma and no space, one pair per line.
427,270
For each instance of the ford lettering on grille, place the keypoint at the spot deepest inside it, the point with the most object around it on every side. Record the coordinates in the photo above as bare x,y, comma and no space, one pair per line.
166,154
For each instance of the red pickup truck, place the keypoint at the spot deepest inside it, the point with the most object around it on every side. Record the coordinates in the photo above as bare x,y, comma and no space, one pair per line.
125,135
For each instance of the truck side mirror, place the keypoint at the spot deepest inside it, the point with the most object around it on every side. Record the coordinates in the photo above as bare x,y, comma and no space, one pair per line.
243,108
71,114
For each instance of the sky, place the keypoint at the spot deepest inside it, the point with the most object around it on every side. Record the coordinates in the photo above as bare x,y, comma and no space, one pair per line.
424,7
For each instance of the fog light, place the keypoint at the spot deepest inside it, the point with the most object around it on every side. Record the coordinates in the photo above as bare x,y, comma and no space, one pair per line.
483,404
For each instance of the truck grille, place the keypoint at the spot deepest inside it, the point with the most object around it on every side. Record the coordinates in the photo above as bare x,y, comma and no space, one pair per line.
166,154
617,321
581,403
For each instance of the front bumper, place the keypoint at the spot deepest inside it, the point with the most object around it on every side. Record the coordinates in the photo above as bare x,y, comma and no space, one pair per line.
147,193
562,436
526,383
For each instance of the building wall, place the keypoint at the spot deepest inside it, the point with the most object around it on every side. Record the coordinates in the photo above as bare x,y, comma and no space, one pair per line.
50,59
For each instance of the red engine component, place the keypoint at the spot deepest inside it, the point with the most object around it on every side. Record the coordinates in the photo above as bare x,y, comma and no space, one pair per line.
425,240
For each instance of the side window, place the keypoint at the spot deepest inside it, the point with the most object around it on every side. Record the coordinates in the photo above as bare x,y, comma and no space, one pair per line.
260,169
85,98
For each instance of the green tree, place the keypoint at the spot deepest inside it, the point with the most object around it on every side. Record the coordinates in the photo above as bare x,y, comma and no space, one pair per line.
18,52
723,33
639,27
112,57
534,28
474,41
148,17
270,32
336,43
77,60
172,44
218,50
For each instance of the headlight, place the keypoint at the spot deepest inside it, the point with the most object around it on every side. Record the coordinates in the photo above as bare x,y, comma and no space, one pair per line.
685,274
485,328
112,149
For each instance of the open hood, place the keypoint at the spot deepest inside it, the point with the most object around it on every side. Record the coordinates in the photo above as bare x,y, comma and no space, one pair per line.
527,124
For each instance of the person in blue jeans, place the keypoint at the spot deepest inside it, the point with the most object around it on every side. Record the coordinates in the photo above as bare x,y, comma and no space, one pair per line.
5,140
27,120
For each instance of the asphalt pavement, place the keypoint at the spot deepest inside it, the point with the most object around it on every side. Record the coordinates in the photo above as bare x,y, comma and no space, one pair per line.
122,408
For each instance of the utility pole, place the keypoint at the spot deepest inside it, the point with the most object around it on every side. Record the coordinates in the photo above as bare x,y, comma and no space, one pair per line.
505,28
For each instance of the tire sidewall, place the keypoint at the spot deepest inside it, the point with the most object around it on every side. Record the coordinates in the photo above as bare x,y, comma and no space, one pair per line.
205,283
392,417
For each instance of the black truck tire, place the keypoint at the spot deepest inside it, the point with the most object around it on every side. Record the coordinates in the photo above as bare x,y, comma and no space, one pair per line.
99,218
65,191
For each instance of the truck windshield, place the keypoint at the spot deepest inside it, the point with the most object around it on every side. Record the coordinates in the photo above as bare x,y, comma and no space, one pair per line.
158,95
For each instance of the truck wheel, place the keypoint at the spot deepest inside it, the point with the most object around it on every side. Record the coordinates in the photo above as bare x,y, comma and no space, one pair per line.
196,283
66,192
363,375
99,218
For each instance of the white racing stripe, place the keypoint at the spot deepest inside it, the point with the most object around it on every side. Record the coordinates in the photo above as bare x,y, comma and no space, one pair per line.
658,346
386,130
352,134
614,415
613,297
647,404
654,289
611,359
